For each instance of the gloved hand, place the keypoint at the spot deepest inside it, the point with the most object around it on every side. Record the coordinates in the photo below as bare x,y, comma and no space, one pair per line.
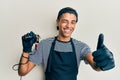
27,41
103,57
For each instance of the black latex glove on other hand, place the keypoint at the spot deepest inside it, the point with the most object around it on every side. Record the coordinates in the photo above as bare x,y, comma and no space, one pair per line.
103,57
27,41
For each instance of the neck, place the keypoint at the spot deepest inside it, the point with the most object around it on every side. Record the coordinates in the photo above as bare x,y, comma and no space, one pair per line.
64,39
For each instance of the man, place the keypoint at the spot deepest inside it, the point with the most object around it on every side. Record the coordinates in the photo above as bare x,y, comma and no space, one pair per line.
61,55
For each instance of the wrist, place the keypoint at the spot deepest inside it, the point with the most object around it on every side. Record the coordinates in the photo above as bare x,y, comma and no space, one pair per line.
25,54
27,50
24,58
95,67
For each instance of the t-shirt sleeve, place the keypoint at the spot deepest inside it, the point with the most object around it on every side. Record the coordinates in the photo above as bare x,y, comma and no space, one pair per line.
36,55
86,50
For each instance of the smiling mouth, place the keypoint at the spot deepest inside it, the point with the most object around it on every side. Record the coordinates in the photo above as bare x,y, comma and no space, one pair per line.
67,30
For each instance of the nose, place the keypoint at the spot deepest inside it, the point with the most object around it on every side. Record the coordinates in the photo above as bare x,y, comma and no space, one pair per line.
68,24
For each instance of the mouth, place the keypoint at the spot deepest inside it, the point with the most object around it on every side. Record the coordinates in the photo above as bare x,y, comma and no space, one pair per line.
66,30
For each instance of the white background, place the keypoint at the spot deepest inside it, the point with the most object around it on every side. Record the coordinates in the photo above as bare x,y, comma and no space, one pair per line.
18,17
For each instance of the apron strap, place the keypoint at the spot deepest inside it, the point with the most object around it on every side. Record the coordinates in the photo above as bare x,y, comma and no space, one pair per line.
73,48
50,55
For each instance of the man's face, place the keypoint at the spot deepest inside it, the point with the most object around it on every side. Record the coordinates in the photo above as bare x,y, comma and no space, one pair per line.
66,24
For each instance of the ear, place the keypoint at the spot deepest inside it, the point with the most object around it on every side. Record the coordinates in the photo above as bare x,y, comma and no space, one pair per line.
57,22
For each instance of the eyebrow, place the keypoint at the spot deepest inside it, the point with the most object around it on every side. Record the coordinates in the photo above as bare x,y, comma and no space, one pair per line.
67,20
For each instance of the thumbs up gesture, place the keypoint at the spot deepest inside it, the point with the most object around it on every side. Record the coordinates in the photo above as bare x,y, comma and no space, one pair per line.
103,57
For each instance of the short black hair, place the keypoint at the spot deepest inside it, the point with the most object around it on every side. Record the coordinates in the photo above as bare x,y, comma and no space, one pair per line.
67,10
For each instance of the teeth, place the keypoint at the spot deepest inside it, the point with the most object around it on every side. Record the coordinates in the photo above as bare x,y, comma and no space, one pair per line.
67,30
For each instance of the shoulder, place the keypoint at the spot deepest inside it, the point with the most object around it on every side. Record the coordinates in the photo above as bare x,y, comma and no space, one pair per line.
47,40
79,43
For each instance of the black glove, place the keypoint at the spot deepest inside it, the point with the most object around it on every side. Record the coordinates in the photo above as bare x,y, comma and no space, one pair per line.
102,56
27,41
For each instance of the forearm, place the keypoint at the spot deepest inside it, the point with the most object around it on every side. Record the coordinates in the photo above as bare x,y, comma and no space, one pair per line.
23,64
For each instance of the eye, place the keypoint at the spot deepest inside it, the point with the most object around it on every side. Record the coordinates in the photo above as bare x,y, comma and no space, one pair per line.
64,21
73,22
